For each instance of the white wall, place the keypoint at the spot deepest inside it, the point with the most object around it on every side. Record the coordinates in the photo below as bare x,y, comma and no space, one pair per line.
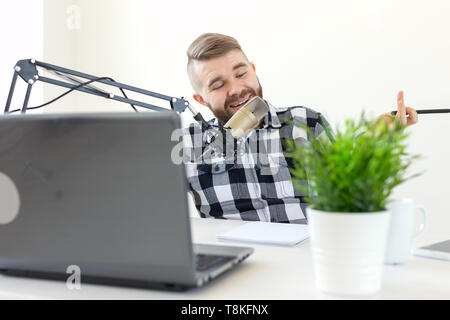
338,57
21,36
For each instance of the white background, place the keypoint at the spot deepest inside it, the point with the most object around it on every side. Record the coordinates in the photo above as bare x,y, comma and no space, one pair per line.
21,31
337,57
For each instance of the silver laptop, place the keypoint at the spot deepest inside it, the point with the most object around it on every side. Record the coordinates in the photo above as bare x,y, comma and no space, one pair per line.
101,193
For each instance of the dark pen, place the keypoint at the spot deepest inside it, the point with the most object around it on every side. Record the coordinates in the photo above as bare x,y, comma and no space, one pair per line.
427,111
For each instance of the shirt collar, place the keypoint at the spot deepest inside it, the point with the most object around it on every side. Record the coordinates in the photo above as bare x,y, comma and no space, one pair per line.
270,119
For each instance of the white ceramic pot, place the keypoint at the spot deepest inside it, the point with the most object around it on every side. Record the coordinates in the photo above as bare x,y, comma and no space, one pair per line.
348,250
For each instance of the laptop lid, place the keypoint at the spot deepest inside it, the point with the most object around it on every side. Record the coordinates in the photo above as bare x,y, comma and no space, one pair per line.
98,191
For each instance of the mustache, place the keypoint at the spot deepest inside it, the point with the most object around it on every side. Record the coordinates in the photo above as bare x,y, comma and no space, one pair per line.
234,99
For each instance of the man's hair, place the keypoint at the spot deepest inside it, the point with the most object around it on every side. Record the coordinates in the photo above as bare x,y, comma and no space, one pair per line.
208,46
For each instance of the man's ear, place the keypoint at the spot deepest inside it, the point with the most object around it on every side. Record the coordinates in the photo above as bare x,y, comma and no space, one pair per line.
253,66
199,99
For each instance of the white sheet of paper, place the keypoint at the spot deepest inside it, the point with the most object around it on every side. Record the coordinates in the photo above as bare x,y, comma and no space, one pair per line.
280,234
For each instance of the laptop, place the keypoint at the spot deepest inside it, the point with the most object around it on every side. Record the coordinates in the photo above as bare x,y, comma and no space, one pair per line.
100,192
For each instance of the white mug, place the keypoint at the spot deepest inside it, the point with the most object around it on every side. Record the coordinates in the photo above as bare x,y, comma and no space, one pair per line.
401,229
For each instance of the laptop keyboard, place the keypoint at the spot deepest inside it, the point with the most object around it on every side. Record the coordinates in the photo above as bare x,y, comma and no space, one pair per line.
208,261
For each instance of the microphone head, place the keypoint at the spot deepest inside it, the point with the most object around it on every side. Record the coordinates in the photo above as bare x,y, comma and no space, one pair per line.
247,117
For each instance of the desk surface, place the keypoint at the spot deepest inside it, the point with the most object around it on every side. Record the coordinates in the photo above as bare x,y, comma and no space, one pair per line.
269,273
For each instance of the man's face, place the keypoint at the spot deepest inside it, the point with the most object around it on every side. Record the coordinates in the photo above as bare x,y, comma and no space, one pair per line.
226,84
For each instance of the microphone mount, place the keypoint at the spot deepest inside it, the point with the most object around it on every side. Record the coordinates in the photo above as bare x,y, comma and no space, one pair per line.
27,69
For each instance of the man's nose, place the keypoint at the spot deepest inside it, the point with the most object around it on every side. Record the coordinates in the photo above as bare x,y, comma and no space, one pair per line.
235,89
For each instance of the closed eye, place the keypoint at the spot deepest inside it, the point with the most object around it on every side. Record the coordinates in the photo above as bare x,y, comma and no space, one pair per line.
241,75
217,87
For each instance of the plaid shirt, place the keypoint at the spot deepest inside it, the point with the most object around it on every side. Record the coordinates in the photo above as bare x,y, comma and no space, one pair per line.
256,184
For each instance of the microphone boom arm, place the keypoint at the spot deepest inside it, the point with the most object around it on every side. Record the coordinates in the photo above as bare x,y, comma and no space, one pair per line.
27,70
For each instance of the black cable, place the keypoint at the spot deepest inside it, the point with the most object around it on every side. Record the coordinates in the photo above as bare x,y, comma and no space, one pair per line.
74,88
126,97
427,111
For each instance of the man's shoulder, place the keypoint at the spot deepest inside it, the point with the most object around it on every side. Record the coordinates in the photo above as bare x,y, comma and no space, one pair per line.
300,114
303,115
195,126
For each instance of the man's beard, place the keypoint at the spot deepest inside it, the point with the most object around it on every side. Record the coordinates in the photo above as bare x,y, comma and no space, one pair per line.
226,112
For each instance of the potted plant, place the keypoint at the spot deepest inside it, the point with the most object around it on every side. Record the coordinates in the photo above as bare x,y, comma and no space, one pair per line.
347,180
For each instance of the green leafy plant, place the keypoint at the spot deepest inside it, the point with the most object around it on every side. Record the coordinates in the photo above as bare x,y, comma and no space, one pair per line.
354,171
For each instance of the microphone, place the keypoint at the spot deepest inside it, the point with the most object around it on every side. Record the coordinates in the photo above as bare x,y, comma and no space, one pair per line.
247,117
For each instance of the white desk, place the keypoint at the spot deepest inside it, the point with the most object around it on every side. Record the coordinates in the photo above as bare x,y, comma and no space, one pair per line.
269,273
